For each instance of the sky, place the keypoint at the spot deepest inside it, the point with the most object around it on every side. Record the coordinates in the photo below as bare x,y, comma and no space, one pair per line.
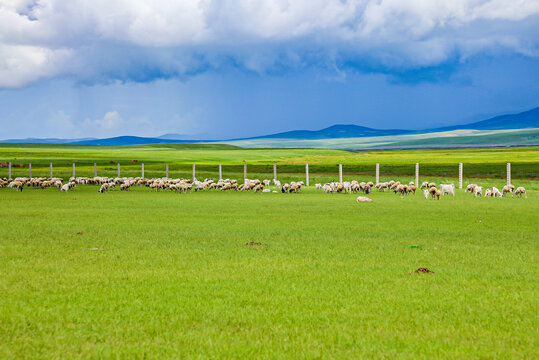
238,68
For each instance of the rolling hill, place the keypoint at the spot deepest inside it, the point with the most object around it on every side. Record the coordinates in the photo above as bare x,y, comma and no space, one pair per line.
351,136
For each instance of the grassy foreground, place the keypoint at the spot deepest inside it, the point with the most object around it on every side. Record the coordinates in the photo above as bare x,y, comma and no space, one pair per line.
331,280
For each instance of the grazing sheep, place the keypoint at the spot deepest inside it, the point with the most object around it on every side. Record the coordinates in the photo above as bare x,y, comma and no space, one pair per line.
363,199
488,193
266,182
521,191
432,185
426,193
412,189
424,185
64,187
285,188
478,191
496,192
318,186
370,184
327,188
508,189
447,189
435,192
104,188
470,188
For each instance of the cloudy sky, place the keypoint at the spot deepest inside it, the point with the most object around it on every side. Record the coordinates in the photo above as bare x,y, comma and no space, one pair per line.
235,68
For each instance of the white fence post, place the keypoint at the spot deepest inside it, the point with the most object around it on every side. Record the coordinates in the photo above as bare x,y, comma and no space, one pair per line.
9,171
220,171
194,172
416,173
166,171
307,174
142,170
377,173
30,170
118,168
50,169
340,173
275,171
508,173
73,169
95,170
460,175
244,172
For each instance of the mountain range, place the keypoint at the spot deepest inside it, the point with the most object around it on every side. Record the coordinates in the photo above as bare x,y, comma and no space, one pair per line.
524,120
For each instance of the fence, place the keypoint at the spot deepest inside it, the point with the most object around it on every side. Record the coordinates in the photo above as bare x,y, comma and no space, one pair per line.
258,169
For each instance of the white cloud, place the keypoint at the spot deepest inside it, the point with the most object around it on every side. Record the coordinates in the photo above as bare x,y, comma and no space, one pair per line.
80,38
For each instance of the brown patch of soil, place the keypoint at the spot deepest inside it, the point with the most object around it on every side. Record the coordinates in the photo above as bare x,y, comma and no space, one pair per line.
79,233
134,160
423,270
251,243
6,164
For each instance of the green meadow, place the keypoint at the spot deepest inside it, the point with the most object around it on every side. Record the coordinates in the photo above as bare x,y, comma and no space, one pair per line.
145,274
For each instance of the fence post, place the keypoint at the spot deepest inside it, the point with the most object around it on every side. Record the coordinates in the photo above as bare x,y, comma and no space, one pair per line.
416,174
220,171
118,166
30,170
50,167
142,170
460,175
73,169
307,174
377,173
166,171
340,173
194,172
244,172
508,173
95,170
9,171
274,171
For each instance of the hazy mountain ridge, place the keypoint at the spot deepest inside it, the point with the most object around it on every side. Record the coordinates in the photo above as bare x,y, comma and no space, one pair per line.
524,120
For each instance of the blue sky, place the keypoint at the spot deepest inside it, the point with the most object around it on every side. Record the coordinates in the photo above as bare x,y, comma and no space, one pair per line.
229,69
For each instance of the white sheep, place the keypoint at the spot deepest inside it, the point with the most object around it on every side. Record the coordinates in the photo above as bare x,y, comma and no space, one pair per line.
447,189
496,192
426,193
477,191
318,186
521,191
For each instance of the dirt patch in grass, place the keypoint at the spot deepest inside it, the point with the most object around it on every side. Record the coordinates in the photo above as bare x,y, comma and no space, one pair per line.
252,243
422,270
79,233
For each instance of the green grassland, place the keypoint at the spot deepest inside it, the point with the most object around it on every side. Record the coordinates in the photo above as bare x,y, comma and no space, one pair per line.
443,164
330,280
175,278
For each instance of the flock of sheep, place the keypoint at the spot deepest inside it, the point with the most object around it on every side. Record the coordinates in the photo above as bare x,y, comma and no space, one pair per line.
186,185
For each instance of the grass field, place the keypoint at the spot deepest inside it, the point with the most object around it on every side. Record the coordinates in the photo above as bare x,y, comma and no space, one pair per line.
174,278
442,164
331,280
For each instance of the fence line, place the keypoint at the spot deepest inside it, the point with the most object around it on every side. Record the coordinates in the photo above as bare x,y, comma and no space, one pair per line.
460,172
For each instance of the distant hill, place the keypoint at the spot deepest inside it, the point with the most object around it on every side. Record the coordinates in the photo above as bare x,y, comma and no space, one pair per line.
44,141
524,120
333,132
131,140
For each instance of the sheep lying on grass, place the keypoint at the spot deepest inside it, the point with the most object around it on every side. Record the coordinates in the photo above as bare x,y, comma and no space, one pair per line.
363,199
